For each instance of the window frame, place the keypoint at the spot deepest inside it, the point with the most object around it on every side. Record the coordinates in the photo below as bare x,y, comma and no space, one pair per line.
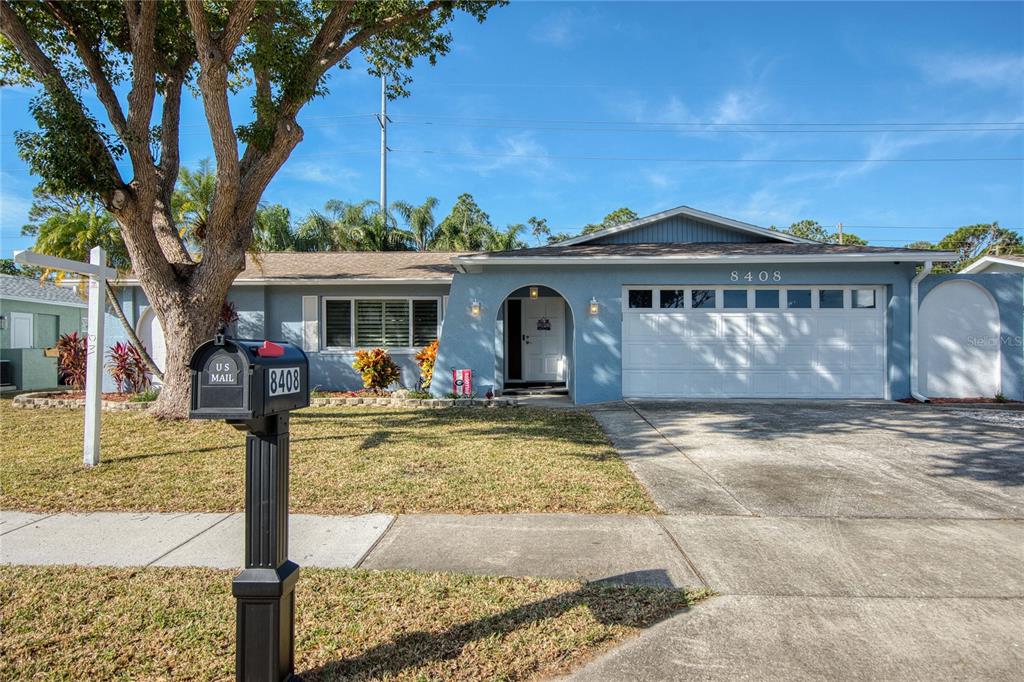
322,322
751,291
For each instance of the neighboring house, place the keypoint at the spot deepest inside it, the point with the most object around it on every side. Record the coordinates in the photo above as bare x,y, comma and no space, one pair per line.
680,304
994,264
32,316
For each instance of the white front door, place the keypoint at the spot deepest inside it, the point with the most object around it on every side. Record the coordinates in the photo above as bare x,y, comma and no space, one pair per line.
543,339
152,336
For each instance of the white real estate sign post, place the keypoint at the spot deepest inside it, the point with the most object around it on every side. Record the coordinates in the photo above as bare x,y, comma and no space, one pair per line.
98,273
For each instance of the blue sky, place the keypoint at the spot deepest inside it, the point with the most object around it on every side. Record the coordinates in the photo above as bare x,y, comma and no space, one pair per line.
519,110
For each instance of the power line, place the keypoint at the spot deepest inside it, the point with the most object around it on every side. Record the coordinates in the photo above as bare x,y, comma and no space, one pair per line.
711,130
711,123
703,160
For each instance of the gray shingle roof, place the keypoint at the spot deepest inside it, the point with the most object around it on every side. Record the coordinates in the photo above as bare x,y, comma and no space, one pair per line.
700,250
347,265
12,286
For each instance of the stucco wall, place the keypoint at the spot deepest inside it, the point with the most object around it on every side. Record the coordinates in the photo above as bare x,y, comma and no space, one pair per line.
31,370
469,341
275,313
1008,291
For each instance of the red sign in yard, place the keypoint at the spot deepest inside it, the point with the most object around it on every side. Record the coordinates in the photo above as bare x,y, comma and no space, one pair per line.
462,382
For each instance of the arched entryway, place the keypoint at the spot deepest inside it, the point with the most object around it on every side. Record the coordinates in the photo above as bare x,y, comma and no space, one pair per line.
959,342
534,341
151,334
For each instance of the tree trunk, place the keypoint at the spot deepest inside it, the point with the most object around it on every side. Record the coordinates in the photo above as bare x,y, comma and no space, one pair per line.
185,327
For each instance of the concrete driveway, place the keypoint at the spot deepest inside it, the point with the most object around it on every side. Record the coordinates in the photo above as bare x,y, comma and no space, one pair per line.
846,541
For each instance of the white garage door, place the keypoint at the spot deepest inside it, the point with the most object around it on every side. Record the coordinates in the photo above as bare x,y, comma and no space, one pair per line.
753,342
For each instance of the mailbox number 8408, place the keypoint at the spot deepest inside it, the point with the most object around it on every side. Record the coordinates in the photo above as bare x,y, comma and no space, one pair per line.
283,380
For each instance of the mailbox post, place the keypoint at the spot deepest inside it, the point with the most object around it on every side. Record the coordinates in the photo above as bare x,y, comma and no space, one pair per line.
254,385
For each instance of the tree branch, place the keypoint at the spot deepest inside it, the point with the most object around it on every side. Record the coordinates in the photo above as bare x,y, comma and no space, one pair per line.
88,51
239,17
170,162
47,73
213,84
141,98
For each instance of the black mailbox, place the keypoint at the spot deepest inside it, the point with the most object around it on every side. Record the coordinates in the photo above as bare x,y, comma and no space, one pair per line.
243,379
254,385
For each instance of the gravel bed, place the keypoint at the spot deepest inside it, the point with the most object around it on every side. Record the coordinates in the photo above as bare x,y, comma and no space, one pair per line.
1001,417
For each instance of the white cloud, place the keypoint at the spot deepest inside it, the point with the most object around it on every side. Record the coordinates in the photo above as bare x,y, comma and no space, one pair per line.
322,172
981,71
558,29
519,152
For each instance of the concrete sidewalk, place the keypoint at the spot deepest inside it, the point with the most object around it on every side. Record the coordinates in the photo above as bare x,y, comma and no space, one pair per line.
626,549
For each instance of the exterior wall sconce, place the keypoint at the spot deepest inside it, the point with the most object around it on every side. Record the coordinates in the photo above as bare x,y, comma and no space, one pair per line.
534,292
595,307
474,308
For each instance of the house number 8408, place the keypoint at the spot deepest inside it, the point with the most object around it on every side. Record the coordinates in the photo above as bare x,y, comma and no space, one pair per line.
762,276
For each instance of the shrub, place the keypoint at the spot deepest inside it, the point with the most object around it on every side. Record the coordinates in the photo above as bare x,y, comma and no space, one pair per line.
147,396
426,359
228,315
377,368
127,369
71,354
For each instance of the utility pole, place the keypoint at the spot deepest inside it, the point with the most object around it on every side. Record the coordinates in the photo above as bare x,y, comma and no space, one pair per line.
382,118
839,227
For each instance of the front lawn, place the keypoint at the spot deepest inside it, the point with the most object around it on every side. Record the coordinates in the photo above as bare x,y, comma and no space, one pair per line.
77,623
344,461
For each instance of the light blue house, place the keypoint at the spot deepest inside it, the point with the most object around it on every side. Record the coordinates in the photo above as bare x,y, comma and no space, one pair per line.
680,304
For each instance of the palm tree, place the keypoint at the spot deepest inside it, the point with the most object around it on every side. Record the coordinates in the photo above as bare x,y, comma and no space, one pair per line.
69,227
193,199
272,230
420,220
506,240
347,226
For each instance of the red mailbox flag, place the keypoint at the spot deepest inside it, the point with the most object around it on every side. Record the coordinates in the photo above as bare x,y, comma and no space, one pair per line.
462,382
270,349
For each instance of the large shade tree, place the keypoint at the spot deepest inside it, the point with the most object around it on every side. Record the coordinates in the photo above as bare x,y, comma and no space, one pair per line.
137,58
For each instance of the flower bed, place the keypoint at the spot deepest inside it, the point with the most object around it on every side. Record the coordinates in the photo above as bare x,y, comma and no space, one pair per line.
121,402
411,402
111,401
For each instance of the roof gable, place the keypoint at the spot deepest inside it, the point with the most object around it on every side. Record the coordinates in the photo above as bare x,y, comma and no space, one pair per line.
684,225
1004,263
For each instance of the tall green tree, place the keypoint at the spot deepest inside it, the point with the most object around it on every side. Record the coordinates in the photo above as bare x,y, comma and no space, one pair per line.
466,228
616,217
971,242
507,239
272,230
419,220
69,227
135,60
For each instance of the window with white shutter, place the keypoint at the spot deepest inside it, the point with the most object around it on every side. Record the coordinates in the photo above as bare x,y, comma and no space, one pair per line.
424,321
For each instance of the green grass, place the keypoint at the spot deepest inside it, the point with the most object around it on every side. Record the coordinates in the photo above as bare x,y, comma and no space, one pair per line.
344,461
160,623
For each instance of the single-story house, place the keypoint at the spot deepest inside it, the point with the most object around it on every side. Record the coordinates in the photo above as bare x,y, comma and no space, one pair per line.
33,315
679,304
992,264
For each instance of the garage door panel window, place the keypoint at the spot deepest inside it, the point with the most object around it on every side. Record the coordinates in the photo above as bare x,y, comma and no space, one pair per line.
830,298
702,298
734,298
641,298
798,298
672,298
766,298
863,298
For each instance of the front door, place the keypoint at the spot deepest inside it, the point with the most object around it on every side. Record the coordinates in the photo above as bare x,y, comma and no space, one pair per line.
543,335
